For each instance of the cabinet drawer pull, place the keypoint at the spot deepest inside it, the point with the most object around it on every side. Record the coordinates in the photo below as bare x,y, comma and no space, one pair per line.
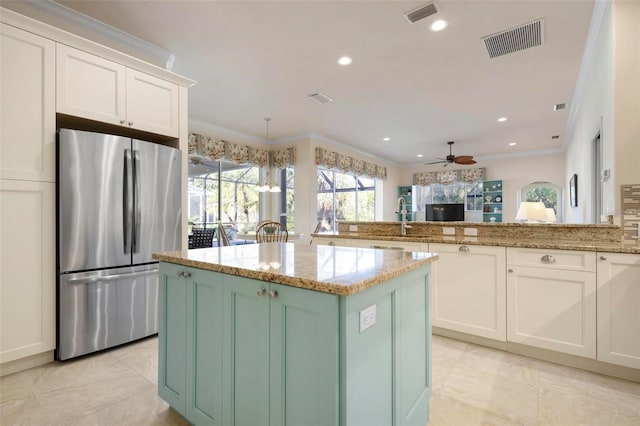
122,121
603,257
511,270
186,274
463,249
131,123
331,243
548,259
273,294
261,291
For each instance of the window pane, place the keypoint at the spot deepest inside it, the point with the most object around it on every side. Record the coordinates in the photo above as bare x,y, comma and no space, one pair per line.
343,181
366,205
325,211
346,205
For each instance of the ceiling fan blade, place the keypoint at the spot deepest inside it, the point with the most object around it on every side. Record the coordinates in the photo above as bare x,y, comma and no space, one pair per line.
464,157
465,160
436,162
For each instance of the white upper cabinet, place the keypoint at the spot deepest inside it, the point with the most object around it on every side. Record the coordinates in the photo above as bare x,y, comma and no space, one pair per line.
619,309
27,105
98,89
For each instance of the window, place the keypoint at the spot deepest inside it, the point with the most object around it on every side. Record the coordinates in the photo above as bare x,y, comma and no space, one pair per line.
460,192
225,192
344,197
548,193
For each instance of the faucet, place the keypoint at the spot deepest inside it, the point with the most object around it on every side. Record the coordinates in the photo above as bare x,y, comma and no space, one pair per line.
401,209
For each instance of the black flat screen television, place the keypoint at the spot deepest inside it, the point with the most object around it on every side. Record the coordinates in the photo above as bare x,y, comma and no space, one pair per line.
444,212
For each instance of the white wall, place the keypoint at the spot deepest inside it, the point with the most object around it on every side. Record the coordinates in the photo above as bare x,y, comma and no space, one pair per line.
515,172
608,102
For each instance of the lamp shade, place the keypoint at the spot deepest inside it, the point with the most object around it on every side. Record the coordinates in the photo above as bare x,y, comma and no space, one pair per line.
532,212
551,215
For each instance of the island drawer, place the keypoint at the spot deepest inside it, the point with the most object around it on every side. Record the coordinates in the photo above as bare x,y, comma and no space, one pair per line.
552,259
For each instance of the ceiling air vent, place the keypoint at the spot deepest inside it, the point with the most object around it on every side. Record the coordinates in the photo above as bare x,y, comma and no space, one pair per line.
558,107
515,39
319,97
421,12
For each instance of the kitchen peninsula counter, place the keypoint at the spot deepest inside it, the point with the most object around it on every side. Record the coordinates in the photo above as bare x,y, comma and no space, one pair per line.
290,333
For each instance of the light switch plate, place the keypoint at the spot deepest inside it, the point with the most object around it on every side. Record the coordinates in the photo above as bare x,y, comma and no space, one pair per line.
367,317
353,228
473,232
448,230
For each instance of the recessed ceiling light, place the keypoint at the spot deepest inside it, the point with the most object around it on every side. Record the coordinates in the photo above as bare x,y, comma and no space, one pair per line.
512,144
345,60
386,139
419,155
438,25
502,119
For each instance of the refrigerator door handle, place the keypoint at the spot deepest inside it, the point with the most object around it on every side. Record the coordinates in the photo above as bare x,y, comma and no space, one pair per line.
137,226
127,202
111,277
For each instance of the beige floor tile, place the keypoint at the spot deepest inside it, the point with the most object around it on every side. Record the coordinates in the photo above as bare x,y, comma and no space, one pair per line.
67,403
19,411
446,411
497,395
503,364
146,408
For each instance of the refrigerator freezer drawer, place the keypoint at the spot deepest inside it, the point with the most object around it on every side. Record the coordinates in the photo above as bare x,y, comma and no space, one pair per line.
101,309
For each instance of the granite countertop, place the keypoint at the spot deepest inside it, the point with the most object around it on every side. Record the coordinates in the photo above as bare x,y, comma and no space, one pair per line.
328,269
620,247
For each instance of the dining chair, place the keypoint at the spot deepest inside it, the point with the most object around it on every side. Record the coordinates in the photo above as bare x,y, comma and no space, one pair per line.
201,237
270,231
224,238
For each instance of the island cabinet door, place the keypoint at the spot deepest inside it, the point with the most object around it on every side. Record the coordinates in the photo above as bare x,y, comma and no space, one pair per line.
304,357
204,343
172,332
246,351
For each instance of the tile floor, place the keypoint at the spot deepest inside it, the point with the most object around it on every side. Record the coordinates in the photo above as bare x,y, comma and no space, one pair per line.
472,385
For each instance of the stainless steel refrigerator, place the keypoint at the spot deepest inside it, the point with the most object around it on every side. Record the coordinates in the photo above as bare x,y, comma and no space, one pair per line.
119,201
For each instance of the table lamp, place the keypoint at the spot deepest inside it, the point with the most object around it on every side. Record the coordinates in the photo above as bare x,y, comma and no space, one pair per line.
532,212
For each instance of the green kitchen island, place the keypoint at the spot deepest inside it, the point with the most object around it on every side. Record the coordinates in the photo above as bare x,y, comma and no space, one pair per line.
294,334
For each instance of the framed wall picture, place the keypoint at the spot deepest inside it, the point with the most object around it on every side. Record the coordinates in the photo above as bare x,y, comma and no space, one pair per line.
573,191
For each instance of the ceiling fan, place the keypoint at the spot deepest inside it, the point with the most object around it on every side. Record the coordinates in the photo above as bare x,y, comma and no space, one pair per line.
458,159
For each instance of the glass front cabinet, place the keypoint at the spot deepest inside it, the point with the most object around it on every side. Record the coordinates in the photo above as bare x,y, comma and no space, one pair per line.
492,201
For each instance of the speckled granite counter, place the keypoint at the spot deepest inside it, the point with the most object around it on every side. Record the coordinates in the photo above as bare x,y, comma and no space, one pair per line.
583,245
335,270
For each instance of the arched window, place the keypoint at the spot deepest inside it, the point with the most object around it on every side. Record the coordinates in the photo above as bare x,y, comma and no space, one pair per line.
548,193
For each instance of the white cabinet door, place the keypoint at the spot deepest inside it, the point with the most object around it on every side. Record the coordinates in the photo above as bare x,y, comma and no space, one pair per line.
98,89
619,309
27,269
27,106
152,104
468,289
552,309
89,86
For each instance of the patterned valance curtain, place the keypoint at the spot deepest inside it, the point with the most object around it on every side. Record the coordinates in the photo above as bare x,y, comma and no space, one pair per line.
218,149
344,163
449,176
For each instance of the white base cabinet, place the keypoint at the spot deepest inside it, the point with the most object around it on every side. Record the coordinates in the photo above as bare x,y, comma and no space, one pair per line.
468,290
551,302
619,309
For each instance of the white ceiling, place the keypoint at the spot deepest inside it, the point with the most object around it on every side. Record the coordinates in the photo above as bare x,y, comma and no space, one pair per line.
261,59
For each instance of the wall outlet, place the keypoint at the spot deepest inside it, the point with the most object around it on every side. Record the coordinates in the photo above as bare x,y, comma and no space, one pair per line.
367,317
353,228
472,232
448,230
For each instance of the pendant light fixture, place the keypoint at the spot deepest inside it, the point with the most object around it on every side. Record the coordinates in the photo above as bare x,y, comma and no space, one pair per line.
268,186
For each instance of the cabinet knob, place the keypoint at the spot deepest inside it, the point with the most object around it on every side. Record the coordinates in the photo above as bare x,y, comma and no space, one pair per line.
130,123
511,271
261,291
548,259
186,274
331,243
122,121
273,294
180,274
463,249
603,257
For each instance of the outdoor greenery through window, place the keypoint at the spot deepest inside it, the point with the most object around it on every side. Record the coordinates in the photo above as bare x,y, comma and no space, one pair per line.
343,196
548,193
239,208
287,204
